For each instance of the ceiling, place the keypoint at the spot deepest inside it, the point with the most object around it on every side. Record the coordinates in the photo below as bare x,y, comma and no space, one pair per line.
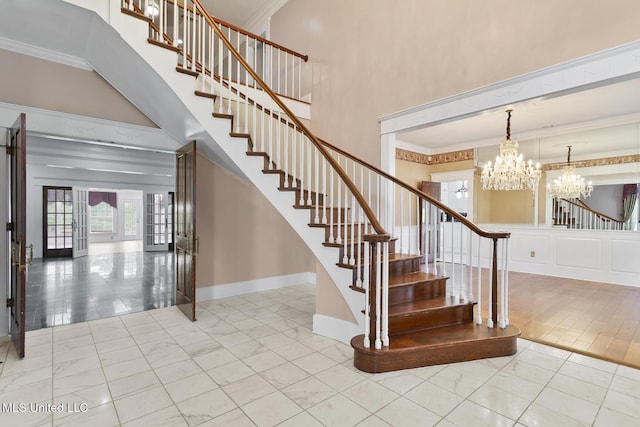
242,13
594,121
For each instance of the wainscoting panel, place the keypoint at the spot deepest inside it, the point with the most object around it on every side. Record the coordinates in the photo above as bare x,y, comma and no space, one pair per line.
530,249
625,256
580,253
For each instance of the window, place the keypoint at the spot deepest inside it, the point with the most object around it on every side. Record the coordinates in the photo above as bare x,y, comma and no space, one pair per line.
101,218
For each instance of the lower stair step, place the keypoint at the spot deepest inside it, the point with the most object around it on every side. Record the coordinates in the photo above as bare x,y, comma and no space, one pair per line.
436,346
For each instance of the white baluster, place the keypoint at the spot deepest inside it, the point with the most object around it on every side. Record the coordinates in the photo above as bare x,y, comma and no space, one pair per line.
367,303
294,156
343,215
238,101
505,287
229,74
378,286
278,164
246,82
470,268
358,261
286,78
479,305
302,171
345,235
285,148
185,34
490,285
324,190
193,41
300,62
402,244
385,294
202,53
270,141
316,219
279,76
332,206
309,168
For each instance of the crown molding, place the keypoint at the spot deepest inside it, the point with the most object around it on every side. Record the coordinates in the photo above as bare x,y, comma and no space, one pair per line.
45,54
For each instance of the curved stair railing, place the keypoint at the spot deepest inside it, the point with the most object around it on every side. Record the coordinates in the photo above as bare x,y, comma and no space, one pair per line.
354,202
575,213
424,226
283,69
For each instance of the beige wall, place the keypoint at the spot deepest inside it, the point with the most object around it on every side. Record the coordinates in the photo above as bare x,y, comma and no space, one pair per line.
52,86
329,301
372,58
242,237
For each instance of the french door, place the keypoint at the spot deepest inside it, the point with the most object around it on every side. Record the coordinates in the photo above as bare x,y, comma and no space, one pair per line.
156,221
58,222
17,230
80,222
131,219
186,242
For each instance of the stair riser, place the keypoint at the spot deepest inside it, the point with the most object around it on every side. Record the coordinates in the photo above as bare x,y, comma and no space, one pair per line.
315,198
386,361
417,291
454,315
392,248
325,213
396,267
348,231
404,266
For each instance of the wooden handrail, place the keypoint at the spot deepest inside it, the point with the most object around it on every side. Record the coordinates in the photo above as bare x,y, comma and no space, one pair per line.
319,146
583,205
417,192
181,5
305,58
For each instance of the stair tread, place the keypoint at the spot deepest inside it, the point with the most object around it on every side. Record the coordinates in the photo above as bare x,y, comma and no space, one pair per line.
442,336
413,278
392,258
417,306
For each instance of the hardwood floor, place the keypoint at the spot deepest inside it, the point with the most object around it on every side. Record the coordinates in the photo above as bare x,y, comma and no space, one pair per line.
597,319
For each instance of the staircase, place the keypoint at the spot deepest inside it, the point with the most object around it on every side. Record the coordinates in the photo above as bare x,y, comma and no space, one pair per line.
369,230
574,213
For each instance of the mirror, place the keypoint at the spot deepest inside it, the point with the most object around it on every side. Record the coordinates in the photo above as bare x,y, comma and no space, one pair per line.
609,157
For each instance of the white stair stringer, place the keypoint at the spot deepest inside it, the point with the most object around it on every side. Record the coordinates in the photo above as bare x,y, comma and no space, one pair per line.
164,63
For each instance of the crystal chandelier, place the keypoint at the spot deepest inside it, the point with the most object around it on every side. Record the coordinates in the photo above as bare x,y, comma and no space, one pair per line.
510,172
569,185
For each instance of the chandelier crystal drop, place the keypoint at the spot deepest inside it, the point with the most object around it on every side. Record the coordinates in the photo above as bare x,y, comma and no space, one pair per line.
569,185
510,171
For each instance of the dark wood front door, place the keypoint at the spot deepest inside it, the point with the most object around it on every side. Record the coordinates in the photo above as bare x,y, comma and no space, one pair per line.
16,227
185,226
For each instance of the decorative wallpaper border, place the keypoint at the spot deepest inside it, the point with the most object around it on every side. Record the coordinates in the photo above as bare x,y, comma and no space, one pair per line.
459,156
618,160
434,159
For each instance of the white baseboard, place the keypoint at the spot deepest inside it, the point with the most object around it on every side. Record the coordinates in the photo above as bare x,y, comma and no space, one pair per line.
337,329
240,288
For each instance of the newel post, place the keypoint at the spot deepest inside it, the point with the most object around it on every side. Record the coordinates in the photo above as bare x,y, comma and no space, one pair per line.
377,290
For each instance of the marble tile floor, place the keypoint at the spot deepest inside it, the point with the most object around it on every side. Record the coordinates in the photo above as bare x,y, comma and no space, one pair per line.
252,360
103,284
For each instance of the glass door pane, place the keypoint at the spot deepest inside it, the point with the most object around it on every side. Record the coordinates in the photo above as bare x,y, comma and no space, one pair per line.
58,230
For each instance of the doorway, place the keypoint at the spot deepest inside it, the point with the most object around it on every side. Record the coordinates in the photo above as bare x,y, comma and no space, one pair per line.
57,241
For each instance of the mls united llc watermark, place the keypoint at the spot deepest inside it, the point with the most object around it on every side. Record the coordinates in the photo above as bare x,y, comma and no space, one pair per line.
44,407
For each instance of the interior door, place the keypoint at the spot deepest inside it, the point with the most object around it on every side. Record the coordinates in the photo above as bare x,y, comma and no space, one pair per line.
80,224
185,226
156,208
16,228
131,219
